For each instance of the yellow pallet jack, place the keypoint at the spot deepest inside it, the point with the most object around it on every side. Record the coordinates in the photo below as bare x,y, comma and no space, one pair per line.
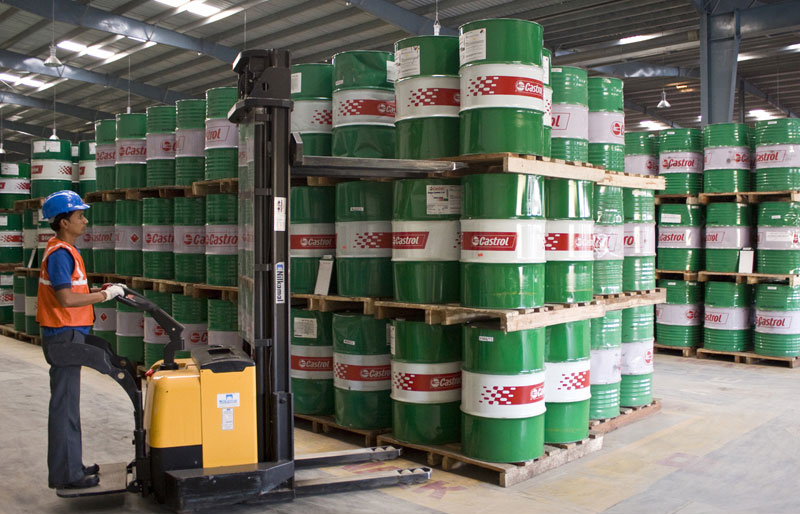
218,428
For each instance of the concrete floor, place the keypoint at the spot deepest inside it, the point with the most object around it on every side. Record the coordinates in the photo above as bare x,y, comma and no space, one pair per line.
725,442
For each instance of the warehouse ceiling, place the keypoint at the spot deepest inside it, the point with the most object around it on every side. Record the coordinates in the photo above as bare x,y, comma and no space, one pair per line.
140,53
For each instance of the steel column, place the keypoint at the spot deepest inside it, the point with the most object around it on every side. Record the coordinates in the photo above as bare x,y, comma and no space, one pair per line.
718,62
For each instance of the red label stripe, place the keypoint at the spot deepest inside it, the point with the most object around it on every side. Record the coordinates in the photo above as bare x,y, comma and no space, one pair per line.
426,383
498,85
312,363
434,96
313,242
573,381
367,108
496,241
559,242
512,395
356,373
409,240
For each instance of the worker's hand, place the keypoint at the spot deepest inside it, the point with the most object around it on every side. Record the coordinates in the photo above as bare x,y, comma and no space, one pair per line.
112,291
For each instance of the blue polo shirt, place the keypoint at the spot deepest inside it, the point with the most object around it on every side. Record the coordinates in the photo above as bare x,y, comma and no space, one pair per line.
60,266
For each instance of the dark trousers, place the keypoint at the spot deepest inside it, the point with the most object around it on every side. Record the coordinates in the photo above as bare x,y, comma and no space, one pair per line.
64,458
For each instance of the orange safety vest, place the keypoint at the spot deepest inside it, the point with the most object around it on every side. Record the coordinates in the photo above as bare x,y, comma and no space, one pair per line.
50,312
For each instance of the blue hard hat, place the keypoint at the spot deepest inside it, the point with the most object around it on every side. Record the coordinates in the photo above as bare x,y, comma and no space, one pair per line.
61,202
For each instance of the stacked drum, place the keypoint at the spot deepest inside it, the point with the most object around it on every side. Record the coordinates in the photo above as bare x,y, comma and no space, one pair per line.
155,337
777,159
570,114
606,123
312,114
51,167
636,386
189,239
222,240
726,166
727,317
501,86
547,123
312,362
428,97
777,333
606,359
87,167
103,236
222,136
130,333
363,104
105,134
727,233
680,153
567,383
426,240
131,161
679,322
503,241
778,238
312,234
641,153
223,324
158,238
128,238
160,169
609,233
15,183
680,237
192,313
190,129
105,321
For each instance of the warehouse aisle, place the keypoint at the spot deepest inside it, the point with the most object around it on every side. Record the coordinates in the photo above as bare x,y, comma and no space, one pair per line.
719,445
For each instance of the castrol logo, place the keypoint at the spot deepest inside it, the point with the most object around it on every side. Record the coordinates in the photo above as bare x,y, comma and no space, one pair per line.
560,121
494,241
156,239
671,238
197,337
651,165
714,237
316,364
692,314
105,155
717,318
387,108
376,373
446,382
131,150
523,86
537,393
313,241
618,128
771,156
167,145
648,356
772,322
159,331
677,163
409,240
194,240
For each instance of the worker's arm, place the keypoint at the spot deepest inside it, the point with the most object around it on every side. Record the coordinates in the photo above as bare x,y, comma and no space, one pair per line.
69,298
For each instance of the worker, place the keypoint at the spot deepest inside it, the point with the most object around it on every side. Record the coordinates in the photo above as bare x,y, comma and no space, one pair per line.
66,315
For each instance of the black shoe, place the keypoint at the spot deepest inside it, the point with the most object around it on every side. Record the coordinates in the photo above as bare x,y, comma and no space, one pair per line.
91,470
83,483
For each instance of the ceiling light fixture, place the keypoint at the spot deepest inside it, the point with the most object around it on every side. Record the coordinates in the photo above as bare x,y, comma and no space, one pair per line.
663,104
52,61
636,39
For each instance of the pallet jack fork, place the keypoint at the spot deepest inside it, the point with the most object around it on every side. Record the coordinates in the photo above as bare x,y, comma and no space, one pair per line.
262,114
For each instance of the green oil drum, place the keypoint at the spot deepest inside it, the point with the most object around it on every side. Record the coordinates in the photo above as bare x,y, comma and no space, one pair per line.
19,303
728,317
189,235
192,313
31,294
160,170
641,153
751,135
190,130
547,121
639,243
426,382
502,397
130,333
502,81
6,298
503,238
15,183
10,238
158,238
155,337
606,123
426,237
222,136
609,232
361,371
680,237
223,324
76,170
84,243
364,238
105,135
29,238
131,160
103,216
128,238
567,385
777,334
636,386
363,104
569,243
105,321
312,113
428,94
606,362
312,362
51,167
222,240
679,322
43,235
727,232
726,148
680,153
87,167
570,114
778,238
312,234
777,155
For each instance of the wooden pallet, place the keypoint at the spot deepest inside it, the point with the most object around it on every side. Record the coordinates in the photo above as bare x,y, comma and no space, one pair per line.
632,180
326,424
10,331
748,278
685,199
748,357
6,267
677,274
28,204
682,350
629,299
527,164
110,278
28,272
751,197
137,193
210,187
449,457
627,415
334,303
195,290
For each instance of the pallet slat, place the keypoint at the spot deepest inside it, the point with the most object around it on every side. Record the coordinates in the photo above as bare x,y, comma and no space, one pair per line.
626,416
748,357
749,278
632,180
325,424
685,351
527,164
